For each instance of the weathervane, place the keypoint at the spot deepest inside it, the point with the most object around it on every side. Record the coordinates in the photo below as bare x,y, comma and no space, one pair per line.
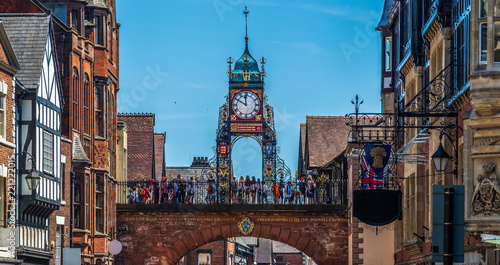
246,25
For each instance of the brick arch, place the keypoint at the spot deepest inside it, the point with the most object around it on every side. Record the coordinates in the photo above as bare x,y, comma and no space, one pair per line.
161,238
197,239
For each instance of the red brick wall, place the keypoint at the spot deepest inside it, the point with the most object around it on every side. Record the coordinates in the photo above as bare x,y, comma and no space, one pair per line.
159,154
140,144
156,237
64,210
18,6
216,250
5,150
288,258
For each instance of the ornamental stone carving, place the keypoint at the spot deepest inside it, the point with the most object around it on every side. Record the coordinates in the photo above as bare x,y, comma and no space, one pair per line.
486,197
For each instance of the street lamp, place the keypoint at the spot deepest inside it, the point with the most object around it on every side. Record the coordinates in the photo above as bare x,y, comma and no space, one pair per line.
440,158
32,178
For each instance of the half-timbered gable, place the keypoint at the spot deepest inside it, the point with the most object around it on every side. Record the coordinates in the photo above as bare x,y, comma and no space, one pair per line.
39,97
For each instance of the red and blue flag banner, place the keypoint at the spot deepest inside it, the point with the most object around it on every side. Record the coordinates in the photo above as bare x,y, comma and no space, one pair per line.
371,180
374,167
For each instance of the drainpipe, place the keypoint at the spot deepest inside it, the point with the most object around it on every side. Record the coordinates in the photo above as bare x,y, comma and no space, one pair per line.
72,187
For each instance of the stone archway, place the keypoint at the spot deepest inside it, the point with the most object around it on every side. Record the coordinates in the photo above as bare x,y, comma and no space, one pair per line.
157,236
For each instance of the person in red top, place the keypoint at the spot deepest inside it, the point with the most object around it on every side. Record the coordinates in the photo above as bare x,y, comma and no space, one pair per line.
144,194
210,192
276,192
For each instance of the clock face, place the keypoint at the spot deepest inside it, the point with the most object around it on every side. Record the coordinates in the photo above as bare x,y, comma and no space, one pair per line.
246,104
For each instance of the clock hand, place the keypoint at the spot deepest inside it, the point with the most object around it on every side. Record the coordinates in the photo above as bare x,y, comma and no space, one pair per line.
245,100
241,102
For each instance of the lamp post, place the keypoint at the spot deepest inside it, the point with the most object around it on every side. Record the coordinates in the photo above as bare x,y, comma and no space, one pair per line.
32,178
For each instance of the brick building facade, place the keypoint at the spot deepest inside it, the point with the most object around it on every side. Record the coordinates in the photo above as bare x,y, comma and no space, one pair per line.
159,145
228,251
8,68
140,145
86,39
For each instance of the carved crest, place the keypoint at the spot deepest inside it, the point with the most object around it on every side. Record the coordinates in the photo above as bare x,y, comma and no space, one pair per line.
486,197
378,154
246,226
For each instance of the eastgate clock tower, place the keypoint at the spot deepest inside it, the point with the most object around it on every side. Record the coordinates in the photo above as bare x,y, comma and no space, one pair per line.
246,114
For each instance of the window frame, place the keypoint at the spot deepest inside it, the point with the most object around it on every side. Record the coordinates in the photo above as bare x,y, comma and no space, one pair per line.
3,115
48,148
100,29
76,99
99,203
77,205
481,8
480,40
388,54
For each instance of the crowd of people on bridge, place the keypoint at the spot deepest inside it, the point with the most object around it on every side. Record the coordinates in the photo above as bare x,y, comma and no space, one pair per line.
243,190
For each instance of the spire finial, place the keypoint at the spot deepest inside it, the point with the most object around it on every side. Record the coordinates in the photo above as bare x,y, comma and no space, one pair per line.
246,25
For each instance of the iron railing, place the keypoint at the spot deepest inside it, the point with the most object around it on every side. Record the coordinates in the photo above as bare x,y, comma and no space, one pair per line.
326,192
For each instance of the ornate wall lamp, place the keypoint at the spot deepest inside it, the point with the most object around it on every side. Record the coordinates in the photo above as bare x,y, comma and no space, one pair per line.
441,157
32,177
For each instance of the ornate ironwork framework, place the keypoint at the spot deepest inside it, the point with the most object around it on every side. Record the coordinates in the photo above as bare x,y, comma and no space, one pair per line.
430,109
273,167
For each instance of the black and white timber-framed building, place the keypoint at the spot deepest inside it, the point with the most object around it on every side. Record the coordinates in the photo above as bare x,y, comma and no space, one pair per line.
38,116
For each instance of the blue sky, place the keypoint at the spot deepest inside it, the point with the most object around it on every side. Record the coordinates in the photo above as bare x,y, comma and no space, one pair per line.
173,54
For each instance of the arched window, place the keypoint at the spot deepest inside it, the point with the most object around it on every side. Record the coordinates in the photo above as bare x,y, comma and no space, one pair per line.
76,99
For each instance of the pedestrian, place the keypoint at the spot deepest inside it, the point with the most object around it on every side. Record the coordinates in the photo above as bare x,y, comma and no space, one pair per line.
288,193
164,190
234,190
253,191
258,189
145,194
175,191
130,196
264,192
248,182
281,187
303,190
182,189
193,190
276,192
241,185
210,192
156,192
135,195
311,186
190,190
296,195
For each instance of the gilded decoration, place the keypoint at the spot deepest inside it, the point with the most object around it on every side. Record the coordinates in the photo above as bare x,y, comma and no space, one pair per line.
378,155
246,226
486,197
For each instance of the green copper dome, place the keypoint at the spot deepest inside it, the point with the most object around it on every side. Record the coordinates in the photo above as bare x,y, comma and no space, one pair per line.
246,68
